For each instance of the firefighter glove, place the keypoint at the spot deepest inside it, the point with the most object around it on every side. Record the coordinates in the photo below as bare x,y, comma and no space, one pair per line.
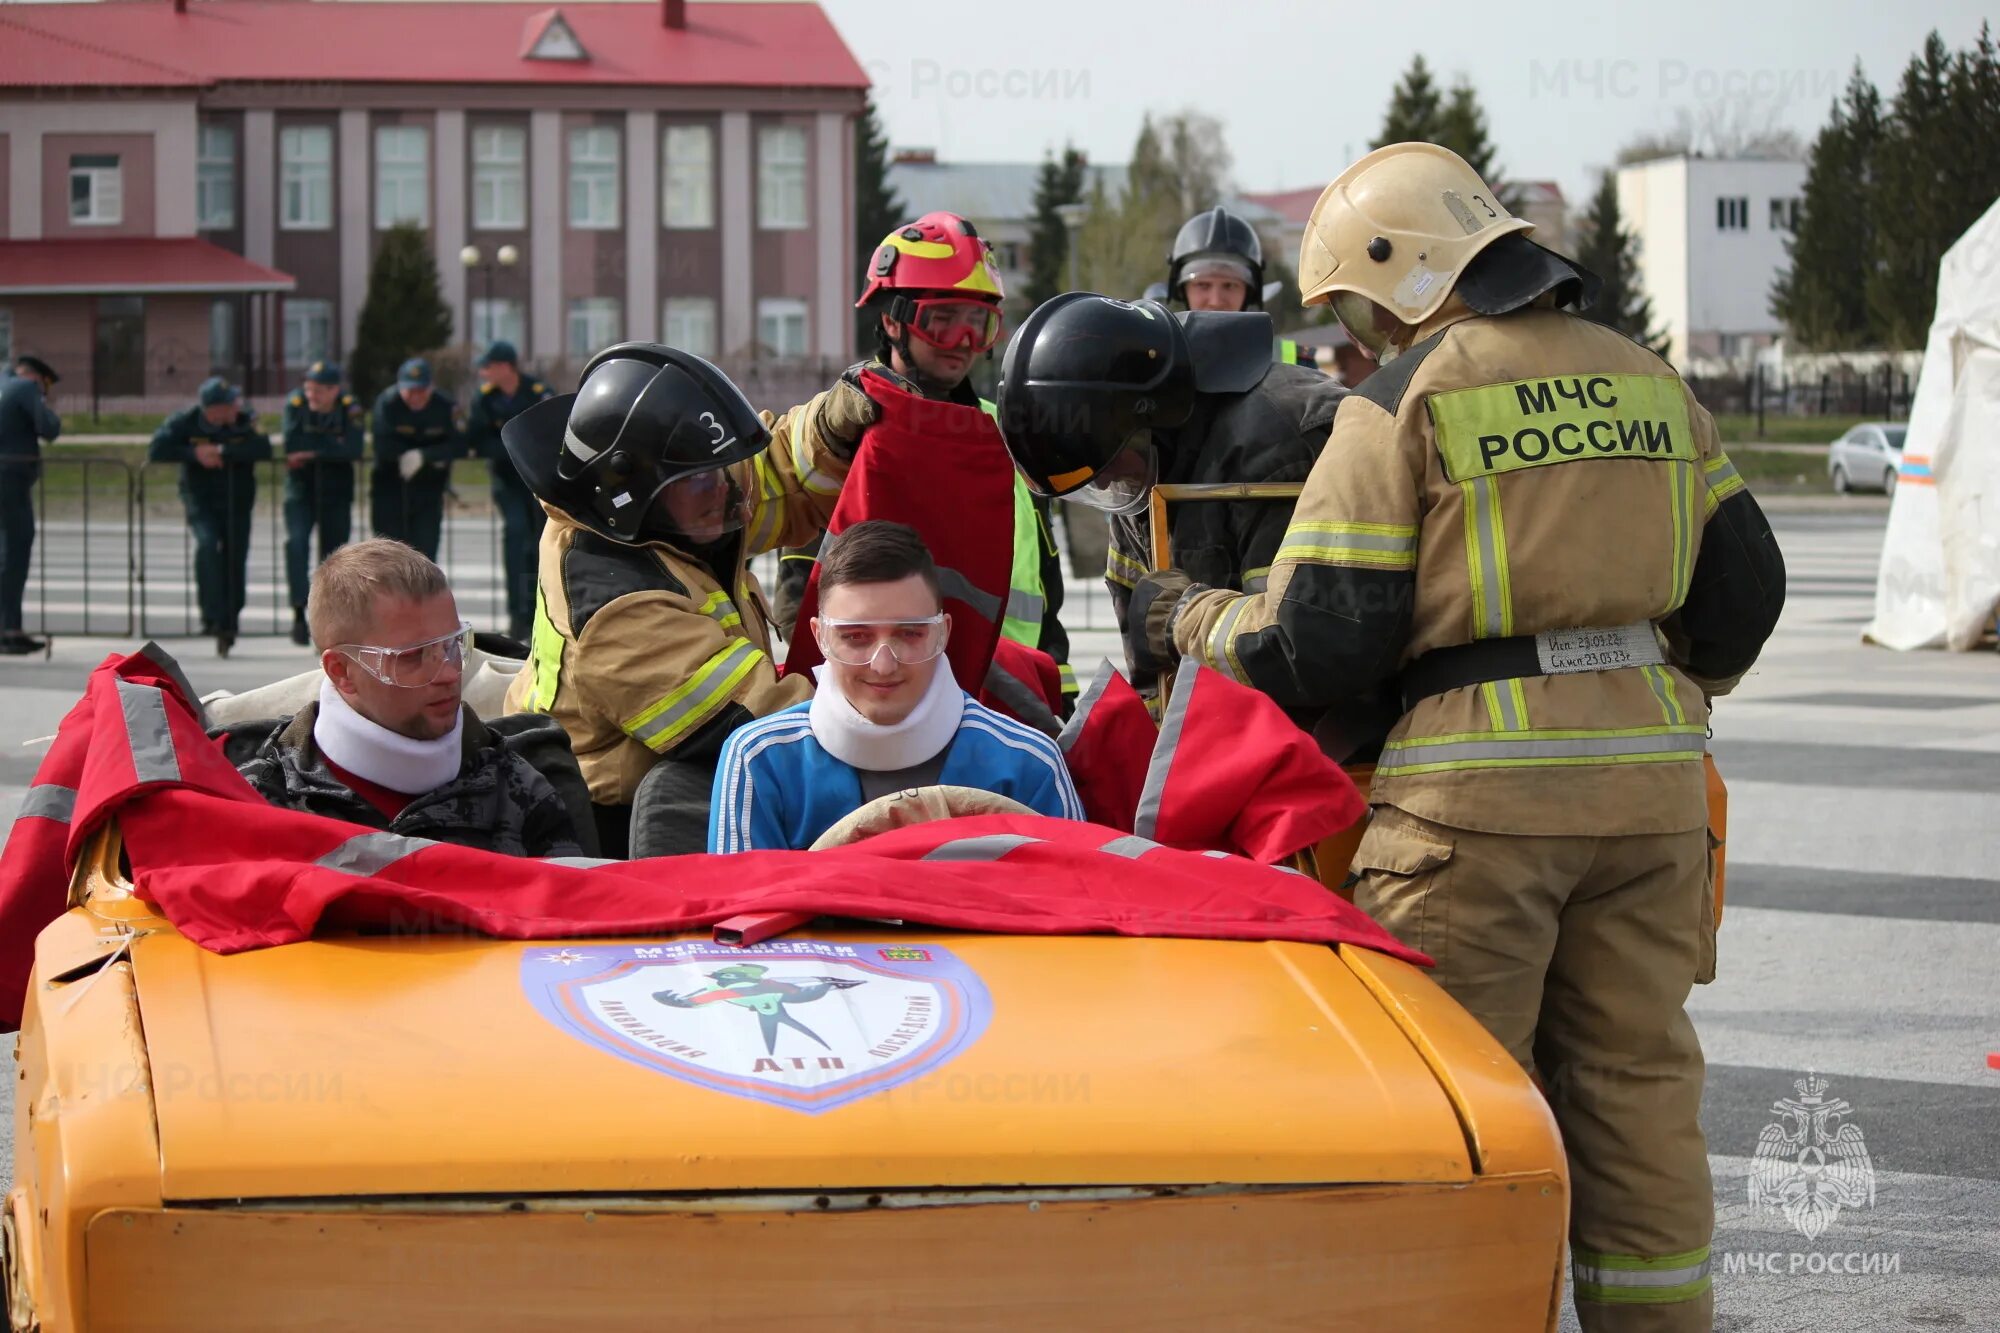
1149,623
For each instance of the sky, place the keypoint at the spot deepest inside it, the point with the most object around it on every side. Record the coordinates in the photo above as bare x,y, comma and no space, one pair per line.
1301,85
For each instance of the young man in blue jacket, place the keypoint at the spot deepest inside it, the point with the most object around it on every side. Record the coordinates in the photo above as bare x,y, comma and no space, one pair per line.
886,715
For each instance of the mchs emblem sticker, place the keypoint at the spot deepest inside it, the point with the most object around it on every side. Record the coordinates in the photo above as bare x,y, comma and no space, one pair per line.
800,1023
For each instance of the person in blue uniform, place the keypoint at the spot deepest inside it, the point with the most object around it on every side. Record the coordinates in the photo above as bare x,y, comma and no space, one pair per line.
418,434
218,446
26,419
505,393
323,442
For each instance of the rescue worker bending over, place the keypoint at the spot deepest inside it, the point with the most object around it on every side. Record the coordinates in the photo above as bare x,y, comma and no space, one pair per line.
938,294
218,446
1100,399
887,716
1217,263
651,641
389,744
1530,517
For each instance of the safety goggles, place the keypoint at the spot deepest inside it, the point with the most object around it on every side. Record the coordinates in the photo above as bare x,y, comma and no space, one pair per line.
954,323
860,642
1366,322
413,667
1124,485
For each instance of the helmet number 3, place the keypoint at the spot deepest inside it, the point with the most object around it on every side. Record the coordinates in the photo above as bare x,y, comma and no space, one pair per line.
717,432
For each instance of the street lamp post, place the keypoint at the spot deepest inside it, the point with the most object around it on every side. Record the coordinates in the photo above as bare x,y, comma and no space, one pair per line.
1072,216
475,261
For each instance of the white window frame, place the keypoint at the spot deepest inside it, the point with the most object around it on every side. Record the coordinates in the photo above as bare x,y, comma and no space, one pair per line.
499,178
305,178
782,203
499,319
687,177
402,175
308,332
593,325
690,323
103,178
215,179
776,318
593,178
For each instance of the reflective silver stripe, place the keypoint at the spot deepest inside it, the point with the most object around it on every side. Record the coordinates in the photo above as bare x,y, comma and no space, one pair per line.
1024,605
1480,501
1131,847
1589,1275
146,731
953,584
1398,754
46,800
578,862
987,847
1501,694
1299,540
1222,639
1022,700
716,679
1147,819
371,853
1091,694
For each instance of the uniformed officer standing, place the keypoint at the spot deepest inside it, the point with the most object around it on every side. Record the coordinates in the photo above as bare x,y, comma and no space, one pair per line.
323,442
26,419
504,393
218,446
417,436
1531,519
1217,263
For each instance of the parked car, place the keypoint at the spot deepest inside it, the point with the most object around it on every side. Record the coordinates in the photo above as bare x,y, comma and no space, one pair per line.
1866,458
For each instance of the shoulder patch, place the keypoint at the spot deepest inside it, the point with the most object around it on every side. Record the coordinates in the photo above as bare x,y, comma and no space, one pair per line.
296,400
539,387
1385,388
487,388
598,571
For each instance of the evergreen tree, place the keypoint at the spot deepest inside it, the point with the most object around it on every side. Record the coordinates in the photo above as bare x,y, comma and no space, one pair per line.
877,210
1060,183
1416,111
1821,299
1611,252
404,314
1911,205
1462,128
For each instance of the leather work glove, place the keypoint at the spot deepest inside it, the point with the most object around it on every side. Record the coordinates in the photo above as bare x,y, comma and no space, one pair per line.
843,412
1149,621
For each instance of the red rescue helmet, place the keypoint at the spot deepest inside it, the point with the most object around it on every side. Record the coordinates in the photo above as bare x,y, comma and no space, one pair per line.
939,280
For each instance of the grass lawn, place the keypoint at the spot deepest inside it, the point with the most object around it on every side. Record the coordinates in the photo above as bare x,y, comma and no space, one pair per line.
1741,428
1780,471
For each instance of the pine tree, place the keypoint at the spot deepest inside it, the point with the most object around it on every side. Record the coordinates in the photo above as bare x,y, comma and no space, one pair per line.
1821,299
404,314
1611,252
877,210
1060,183
1462,128
1416,112
1911,208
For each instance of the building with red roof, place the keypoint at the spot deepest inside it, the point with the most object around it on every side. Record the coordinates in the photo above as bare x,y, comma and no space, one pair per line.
188,187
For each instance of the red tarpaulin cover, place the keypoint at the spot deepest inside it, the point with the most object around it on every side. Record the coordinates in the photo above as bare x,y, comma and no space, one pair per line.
233,873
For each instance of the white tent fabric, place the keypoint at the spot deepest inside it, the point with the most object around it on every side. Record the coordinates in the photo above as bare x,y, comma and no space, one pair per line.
1939,582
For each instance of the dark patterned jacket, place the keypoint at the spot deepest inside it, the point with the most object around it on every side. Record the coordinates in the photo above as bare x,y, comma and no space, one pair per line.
499,802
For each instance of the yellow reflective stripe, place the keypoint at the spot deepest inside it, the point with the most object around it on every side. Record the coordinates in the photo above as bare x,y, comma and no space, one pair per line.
1520,694
1629,1279
1376,545
721,610
1125,564
1723,481
811,478
1506,704
1662,686
1068,676
1681,482
1486,560
1220,649
545,653
1543,748
768,512
1025,605
1497,428
665,720
1257,580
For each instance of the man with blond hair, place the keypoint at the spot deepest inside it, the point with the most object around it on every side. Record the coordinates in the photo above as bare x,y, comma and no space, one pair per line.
389,744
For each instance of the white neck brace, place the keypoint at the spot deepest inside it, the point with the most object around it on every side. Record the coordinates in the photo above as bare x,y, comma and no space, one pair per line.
853,739
371,751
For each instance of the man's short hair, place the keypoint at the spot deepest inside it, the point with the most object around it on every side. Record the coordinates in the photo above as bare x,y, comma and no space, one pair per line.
876,551
341,604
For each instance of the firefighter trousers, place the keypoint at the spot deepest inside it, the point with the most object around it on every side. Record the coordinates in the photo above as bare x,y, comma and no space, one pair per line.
1578,953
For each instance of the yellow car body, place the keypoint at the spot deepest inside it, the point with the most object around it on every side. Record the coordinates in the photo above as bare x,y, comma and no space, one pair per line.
387,1132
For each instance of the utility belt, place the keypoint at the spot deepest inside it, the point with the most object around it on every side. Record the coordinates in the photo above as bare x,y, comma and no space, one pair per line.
1556,652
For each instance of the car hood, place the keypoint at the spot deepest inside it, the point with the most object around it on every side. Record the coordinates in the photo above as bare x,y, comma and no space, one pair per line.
384,1066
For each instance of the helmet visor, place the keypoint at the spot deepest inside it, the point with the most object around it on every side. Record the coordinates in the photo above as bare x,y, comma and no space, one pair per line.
954,323
1125,484
1366,322
701,507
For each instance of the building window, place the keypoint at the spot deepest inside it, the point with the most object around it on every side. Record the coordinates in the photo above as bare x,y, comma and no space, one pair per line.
215,179
224,351
593,178
593,325
781,177
1007,255
402,175
499,319
687,177
96,190
305,178
6,339
1732,213
1785,214
781,328
688,322
308,333
499,178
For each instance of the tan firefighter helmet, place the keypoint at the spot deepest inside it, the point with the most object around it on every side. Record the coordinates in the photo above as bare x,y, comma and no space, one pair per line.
1392,234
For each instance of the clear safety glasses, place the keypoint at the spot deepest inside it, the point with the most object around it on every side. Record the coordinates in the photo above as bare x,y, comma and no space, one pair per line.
1366,322
860,642
413,667
953,323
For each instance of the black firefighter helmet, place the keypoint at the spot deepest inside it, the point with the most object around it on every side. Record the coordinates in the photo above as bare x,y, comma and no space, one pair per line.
1218,234
644,418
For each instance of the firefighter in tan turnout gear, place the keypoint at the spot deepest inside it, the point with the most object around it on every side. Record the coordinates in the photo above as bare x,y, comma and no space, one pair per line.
651,638
1524,522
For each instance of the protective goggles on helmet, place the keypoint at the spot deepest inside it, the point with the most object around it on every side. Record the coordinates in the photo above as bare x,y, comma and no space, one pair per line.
1365,321
1125,484
860,642
413,667
701,507
954,323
